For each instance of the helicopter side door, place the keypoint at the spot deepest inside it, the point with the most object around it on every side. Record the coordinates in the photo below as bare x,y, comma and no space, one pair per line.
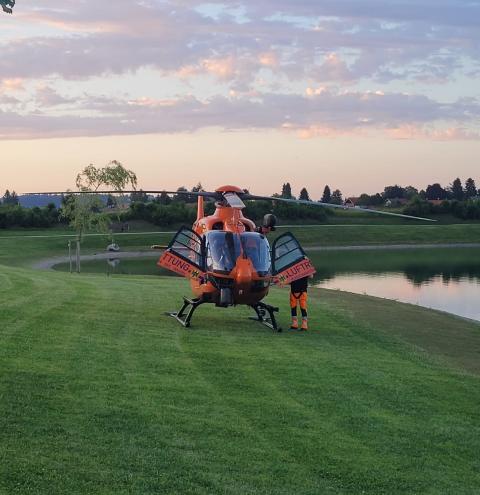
289,261
185,255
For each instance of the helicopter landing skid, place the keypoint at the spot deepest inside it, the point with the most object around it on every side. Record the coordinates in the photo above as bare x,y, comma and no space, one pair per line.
262,309
186,312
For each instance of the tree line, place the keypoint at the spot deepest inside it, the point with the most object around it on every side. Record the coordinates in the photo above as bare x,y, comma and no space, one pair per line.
459,199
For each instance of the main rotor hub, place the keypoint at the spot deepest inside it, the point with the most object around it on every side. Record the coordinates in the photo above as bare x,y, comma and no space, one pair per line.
230,189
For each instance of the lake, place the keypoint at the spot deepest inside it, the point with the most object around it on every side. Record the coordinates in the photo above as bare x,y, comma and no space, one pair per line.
443,279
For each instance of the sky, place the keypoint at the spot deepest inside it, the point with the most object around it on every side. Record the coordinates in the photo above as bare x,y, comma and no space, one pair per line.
357,94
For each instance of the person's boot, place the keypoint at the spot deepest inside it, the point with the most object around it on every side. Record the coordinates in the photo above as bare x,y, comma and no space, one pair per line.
304,324
294,325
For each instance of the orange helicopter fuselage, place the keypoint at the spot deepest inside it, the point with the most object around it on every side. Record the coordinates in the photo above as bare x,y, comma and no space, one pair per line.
248,287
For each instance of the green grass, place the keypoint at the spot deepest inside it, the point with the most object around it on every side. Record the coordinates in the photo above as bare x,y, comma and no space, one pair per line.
100,393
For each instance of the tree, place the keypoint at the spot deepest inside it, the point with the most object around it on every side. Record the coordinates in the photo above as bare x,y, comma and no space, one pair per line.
139,197
394,192
198,188
435,191
470,188
7,6
111,201
456,190
195,189
376,200
304,196
114,175
10,198
327,195
364,200
163,199
85,210
286,191
181,197
337,198
410,192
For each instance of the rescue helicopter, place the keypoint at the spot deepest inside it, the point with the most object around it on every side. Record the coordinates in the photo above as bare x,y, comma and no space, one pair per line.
227,257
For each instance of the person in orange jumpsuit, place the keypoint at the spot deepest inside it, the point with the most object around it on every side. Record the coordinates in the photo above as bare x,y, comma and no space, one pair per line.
299,296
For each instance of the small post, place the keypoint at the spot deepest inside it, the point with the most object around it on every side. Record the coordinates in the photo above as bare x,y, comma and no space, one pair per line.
70,255
78,256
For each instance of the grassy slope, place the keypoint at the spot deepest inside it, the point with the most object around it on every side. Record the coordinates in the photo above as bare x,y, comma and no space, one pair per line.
99,393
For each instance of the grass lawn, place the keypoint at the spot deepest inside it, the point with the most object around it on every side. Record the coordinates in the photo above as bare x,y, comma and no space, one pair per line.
100,393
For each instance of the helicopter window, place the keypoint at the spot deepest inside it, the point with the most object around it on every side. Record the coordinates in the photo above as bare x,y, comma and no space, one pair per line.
188,245
257,249
223,249
287,251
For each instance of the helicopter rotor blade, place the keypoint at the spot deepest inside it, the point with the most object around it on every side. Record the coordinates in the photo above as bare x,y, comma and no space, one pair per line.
204,194
331,205
234,200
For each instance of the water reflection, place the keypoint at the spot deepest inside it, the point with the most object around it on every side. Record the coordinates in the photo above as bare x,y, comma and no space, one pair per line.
453,294
418,275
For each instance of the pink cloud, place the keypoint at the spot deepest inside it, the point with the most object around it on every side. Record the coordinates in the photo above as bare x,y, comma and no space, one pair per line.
322,113
13,84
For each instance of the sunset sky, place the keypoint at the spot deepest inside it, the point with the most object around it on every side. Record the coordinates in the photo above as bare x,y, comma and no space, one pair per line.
357,94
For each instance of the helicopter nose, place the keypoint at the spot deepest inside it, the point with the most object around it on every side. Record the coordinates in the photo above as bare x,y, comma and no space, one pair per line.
244,271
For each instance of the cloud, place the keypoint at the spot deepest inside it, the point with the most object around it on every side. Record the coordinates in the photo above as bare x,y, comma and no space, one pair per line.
262,54
380,40
317,113
11,85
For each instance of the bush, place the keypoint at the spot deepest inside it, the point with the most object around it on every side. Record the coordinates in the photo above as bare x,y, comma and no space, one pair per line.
465,210
162,215
17,216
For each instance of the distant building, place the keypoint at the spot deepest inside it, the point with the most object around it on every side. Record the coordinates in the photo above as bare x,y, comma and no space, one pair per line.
351,202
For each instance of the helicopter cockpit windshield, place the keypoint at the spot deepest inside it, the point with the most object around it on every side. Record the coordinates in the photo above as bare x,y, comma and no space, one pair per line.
257,249
223,249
